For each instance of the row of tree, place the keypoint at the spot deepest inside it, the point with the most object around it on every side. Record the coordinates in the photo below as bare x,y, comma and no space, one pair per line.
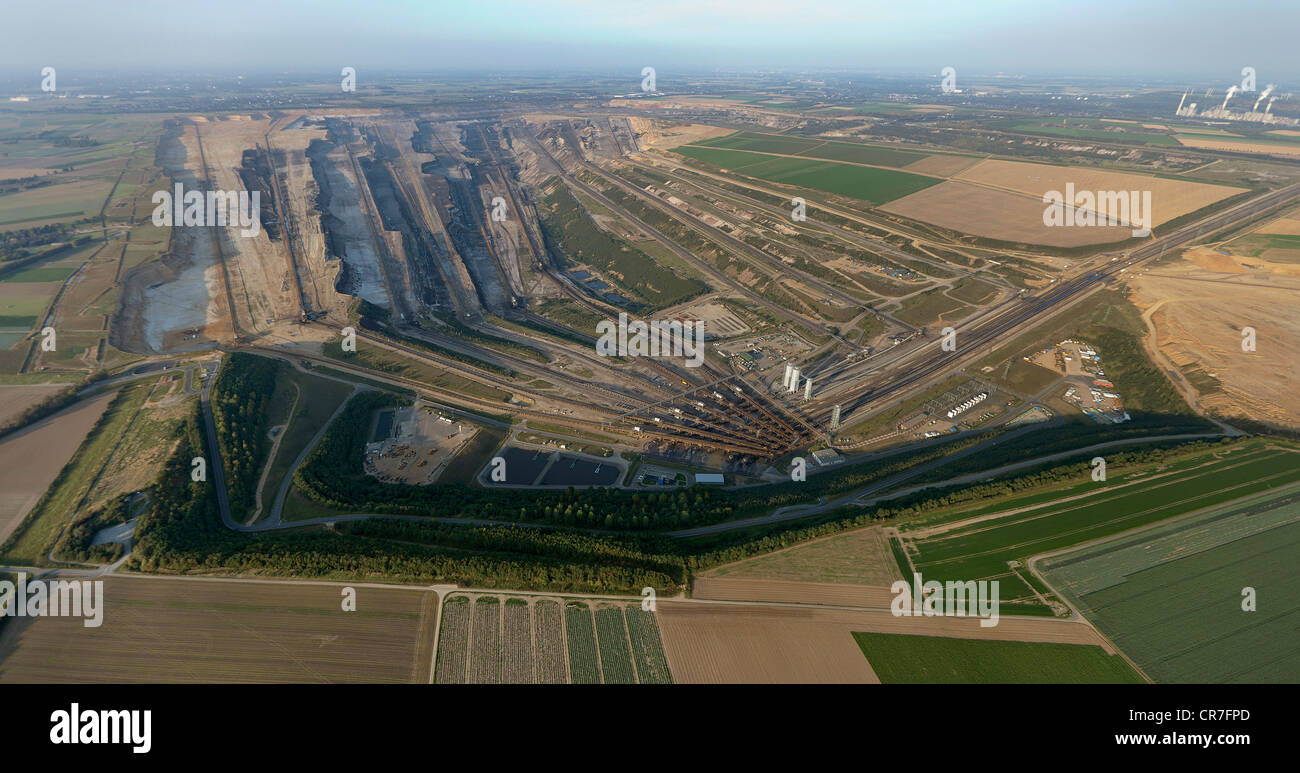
239,399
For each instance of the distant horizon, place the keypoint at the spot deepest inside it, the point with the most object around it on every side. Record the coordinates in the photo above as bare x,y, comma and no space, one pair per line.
1162,39
669,80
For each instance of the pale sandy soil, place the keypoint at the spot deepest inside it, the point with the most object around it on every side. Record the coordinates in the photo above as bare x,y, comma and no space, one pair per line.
1198,323
32,457
660,134
1286,226
718,643
1244,146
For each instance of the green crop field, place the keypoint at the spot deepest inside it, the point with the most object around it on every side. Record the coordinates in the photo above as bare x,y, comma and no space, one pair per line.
829,150
615,654
55,274
1088,131
870,184
973,291
584,668
903,659
975,547
931,306
1171,598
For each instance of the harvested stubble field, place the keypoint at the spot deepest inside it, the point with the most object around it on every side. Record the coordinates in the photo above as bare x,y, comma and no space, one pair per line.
1169,198
858,557
721,643
1201,142
1004,200
834,594
174,630
996,214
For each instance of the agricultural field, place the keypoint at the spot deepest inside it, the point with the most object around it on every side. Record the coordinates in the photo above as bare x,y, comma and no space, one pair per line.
944,660
874,185
1262,145
1003,200
830,150
580,637
54,203
996,214
729,588
1170,198
31,458
174,630
1172,597
993,541
70,491
490,639
859,557
1091,130
17,398
723,643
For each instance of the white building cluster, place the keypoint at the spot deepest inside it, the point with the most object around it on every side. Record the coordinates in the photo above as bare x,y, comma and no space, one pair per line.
971,403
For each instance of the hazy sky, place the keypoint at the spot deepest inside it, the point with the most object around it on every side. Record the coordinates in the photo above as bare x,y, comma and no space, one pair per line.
1144,38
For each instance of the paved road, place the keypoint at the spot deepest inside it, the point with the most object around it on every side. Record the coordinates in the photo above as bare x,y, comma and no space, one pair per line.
273,520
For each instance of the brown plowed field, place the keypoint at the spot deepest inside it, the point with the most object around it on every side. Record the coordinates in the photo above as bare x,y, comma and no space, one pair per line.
16,398
32,457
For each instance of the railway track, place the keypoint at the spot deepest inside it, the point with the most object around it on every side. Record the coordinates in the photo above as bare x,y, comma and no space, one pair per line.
1038,307
279,203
